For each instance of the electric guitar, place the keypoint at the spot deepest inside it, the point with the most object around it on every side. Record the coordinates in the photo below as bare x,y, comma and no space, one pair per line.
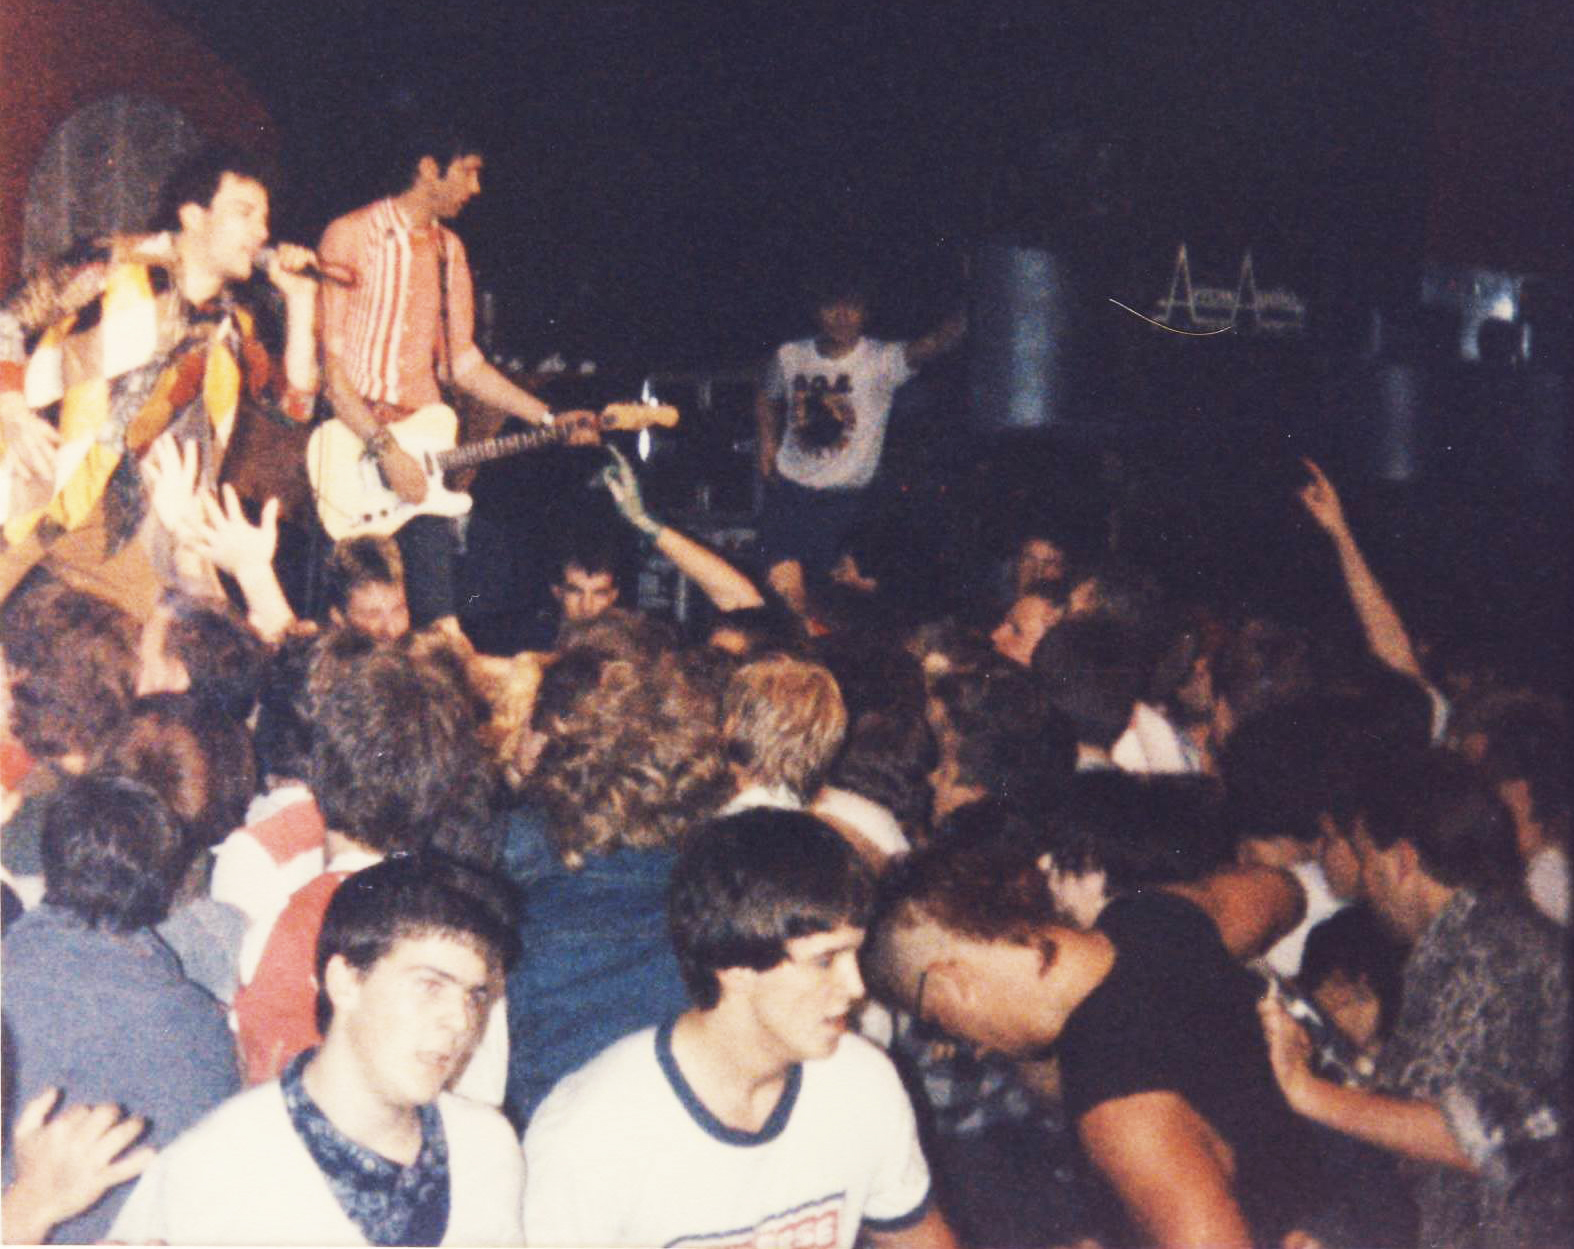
353,499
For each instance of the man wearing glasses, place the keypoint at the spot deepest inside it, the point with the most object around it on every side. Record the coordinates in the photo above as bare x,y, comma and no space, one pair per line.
1151,1019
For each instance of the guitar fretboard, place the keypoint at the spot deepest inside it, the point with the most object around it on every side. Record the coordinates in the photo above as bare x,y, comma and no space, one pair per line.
473,453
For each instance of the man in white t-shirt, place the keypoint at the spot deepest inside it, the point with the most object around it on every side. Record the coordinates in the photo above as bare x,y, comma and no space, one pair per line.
357,1142
754,1118
822,411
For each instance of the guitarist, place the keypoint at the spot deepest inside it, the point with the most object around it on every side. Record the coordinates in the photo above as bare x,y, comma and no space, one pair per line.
406,328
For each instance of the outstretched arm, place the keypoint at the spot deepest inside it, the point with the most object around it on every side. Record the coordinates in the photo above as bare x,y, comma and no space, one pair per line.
938,341
1385,631
723,584
480,380
245,551
210,534
1407,1126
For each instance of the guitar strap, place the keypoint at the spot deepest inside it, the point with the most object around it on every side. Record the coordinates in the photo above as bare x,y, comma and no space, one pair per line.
445,364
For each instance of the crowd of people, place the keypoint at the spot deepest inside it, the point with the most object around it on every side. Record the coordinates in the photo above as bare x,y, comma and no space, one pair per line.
1086,915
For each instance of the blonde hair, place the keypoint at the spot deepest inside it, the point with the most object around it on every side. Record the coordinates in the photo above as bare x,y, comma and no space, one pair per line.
783,720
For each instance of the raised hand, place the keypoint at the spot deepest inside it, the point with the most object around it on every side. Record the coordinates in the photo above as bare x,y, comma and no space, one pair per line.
1320,498
171,471
621,483
287,270
224,535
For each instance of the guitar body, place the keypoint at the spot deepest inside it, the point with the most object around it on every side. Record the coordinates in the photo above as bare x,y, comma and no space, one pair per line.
353,498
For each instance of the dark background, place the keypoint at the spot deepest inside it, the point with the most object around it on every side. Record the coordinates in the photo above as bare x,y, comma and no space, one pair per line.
662,179
661,175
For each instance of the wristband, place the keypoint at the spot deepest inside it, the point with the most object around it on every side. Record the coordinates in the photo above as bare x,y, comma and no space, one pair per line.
380,443
548,419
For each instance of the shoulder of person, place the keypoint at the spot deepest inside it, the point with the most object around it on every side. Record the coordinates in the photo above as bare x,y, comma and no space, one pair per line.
866,1069
602,1087
223,1139
476,1119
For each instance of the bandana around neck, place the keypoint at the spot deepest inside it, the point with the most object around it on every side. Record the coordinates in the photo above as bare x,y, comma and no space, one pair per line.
392,1205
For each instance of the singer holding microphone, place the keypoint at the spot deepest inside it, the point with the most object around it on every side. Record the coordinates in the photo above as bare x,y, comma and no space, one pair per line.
130,340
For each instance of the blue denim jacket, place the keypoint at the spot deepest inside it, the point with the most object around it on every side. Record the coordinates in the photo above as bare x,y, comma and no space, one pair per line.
597,965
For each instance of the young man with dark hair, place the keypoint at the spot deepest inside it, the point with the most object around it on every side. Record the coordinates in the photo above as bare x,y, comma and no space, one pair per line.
71,673
1093,674
279,846
1526,758
395,767
96,1004
363,587
357,1141
753,1118
997,737
132,339
1037,608
403,330
1469,1086
587,582
822,410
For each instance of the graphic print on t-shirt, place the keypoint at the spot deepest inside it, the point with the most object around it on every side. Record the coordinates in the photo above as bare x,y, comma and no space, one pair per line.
822,412
813,1225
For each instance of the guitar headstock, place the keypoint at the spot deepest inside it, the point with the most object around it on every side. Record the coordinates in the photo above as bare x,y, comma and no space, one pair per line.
631,416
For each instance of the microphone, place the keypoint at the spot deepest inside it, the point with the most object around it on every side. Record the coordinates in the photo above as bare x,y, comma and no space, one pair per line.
339,275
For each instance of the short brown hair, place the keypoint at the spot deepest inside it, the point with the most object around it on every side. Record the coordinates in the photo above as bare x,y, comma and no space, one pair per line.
73,662
783,720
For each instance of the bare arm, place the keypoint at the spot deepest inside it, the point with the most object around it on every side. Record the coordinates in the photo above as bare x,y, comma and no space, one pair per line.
480,380
1252,906
1385,631
930,1232
1169,1168
245,551
1407,1126
938,341
723,584
401,469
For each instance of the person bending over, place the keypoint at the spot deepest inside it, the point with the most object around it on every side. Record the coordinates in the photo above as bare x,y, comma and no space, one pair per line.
1163,1069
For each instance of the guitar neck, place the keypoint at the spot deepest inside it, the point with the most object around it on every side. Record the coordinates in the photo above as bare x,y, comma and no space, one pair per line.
614,416
474,453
